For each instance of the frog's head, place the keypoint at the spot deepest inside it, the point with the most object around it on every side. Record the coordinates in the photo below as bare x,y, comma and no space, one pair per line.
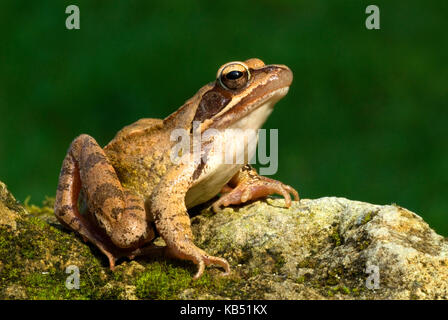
243,94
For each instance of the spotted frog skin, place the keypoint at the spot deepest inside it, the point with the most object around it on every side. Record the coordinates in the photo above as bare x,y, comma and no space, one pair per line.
121,197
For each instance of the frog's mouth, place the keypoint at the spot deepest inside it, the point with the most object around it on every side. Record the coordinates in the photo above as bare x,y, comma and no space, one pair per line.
250,114
252,110
259,112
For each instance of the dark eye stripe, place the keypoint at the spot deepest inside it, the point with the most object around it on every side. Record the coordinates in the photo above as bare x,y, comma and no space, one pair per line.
211,103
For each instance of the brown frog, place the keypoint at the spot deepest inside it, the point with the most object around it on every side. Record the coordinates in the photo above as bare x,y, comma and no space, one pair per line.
122,196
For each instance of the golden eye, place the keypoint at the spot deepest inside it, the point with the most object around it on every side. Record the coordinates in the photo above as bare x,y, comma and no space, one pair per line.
234,75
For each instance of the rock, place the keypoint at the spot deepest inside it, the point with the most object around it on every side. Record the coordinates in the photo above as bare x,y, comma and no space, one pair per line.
15,292
328,248
10,209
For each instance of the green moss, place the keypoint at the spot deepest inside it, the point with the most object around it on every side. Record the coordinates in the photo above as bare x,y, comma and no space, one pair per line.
278,260
335,236
162,281
338,289
279,263
307,263
255,272
300,279
333,277
9,201
413,296
338,281
244,257
363,244
34,257
45,209
167,279
51,286
369,216
37,222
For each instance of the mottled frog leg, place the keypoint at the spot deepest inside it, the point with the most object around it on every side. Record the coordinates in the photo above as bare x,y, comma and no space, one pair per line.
120,215
248,185
167,204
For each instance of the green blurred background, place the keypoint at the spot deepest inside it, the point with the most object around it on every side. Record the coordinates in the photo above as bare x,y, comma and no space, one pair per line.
365,118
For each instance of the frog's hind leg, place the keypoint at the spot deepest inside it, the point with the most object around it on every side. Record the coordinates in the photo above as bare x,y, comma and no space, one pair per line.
121,217
66,207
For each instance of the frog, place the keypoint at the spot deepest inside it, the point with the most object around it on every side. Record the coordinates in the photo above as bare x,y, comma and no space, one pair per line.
125,195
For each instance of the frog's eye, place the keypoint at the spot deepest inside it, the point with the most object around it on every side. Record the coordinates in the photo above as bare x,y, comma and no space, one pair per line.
234,75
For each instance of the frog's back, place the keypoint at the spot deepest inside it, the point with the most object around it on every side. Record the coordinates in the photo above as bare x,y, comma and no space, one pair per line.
142,126
135,152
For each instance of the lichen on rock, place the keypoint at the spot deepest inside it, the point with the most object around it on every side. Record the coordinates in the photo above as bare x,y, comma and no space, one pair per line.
328,248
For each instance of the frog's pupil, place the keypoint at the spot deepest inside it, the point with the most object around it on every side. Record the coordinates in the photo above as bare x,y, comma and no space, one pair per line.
233,75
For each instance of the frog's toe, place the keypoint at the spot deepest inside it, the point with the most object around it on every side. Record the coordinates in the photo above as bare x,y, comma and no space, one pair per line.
219,262
210,260
201,268
290,189
233,197
256,189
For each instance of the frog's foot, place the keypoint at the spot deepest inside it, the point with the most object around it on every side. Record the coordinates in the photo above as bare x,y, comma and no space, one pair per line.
206,260
255,188
199,257
84,228
188,251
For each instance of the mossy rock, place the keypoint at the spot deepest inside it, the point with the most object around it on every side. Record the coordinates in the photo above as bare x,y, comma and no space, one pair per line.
317,249
35,252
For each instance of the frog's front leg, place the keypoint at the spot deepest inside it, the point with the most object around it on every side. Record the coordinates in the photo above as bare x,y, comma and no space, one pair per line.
248,185
116,220
171,218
